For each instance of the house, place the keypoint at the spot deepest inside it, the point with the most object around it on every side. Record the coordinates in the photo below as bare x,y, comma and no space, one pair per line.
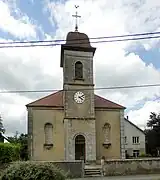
134,139
75,123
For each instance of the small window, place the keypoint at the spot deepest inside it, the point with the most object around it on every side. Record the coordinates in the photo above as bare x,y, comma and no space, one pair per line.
135,140
78,70
125,139
48,130
135,153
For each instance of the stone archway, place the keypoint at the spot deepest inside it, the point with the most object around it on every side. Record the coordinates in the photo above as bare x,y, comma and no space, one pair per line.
80,148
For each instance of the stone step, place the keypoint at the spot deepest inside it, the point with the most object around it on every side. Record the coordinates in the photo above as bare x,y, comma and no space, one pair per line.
92,172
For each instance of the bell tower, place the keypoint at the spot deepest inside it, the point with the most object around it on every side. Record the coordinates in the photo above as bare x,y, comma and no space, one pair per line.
78,96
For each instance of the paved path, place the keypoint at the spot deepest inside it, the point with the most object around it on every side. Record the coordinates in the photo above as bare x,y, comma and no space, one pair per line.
135,177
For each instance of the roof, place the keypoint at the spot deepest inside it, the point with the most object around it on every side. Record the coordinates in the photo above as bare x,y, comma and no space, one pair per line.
134,125
56,100
76,41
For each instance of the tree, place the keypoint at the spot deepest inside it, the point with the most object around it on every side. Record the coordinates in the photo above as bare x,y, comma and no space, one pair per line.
154,121
2,129
22,139
153,134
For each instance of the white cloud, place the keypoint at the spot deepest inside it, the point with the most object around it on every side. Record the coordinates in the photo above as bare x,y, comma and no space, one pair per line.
39,68
20,27
141,116
13,112
112,66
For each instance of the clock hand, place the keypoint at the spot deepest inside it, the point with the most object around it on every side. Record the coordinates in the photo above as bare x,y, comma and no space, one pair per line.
81,97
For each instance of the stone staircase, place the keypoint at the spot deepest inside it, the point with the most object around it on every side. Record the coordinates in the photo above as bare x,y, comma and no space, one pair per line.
92,171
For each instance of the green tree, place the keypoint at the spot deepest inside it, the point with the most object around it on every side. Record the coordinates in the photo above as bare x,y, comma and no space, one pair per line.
22,139
153,134
154,121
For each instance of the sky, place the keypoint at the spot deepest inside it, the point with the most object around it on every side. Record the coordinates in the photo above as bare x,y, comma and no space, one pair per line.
115,64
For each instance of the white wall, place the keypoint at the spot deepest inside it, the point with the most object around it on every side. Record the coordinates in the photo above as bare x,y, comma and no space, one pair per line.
130,131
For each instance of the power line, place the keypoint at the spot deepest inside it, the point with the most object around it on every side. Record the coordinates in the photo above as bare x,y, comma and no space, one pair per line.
109,41
93,38
100,88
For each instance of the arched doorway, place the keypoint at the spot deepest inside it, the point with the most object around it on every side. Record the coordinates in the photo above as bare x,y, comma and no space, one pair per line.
80,147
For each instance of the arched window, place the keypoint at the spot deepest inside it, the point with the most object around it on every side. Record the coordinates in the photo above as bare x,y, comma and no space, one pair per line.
48,131
78,70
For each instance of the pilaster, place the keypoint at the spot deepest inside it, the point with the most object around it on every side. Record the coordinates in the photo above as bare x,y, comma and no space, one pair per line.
122,144
30,133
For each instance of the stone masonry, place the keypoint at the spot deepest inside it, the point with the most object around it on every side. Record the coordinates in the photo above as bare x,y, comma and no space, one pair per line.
90,140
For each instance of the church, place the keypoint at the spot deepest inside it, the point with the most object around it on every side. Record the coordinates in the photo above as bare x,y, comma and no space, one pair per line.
75,123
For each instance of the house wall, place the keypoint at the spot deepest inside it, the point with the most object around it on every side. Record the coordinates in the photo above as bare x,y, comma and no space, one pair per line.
131,131
113,118
36,123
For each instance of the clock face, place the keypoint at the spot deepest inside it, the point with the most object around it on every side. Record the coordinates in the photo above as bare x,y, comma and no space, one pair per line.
79,97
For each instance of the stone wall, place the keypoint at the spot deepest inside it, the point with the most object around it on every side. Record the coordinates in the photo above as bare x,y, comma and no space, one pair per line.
74,168
132,166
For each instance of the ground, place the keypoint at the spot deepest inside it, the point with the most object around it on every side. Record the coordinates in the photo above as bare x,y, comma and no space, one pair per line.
135,177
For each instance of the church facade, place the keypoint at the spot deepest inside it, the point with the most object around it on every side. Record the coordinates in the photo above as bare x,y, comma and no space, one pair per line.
74,123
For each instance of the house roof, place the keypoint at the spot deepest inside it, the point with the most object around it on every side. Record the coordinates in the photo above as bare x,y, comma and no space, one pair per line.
56,100
134,125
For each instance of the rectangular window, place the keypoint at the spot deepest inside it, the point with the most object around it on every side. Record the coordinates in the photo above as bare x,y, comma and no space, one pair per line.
135,153
135,140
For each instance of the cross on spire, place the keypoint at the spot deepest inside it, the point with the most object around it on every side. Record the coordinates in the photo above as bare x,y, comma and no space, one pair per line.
76,16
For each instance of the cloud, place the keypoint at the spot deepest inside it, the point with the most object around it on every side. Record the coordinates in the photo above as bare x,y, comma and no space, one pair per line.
13,112
112,64
29,69
20,27
140,116
39,68
127,70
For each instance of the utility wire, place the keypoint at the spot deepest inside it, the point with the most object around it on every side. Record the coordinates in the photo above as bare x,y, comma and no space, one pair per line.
93,38
101,88
73,44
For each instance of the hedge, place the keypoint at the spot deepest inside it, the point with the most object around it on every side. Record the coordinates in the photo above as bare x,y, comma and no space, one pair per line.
9,152
32,171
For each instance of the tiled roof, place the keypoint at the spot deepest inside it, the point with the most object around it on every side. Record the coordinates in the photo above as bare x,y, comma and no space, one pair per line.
56,100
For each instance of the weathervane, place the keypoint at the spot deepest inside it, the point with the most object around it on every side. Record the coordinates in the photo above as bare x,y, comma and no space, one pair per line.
76,16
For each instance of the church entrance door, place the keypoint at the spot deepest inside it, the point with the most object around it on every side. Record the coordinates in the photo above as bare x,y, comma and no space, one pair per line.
80,147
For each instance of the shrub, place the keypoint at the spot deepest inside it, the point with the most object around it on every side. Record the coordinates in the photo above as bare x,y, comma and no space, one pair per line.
32,171
145,155
9,152
142,155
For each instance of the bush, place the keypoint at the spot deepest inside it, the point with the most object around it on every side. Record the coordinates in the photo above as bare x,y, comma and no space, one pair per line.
144,155
32,171
9,152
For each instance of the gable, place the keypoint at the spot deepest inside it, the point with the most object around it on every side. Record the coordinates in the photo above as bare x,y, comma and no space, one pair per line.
134,126
56,100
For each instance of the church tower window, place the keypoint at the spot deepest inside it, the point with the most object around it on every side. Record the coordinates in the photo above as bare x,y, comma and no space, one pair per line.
48,131
78,70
